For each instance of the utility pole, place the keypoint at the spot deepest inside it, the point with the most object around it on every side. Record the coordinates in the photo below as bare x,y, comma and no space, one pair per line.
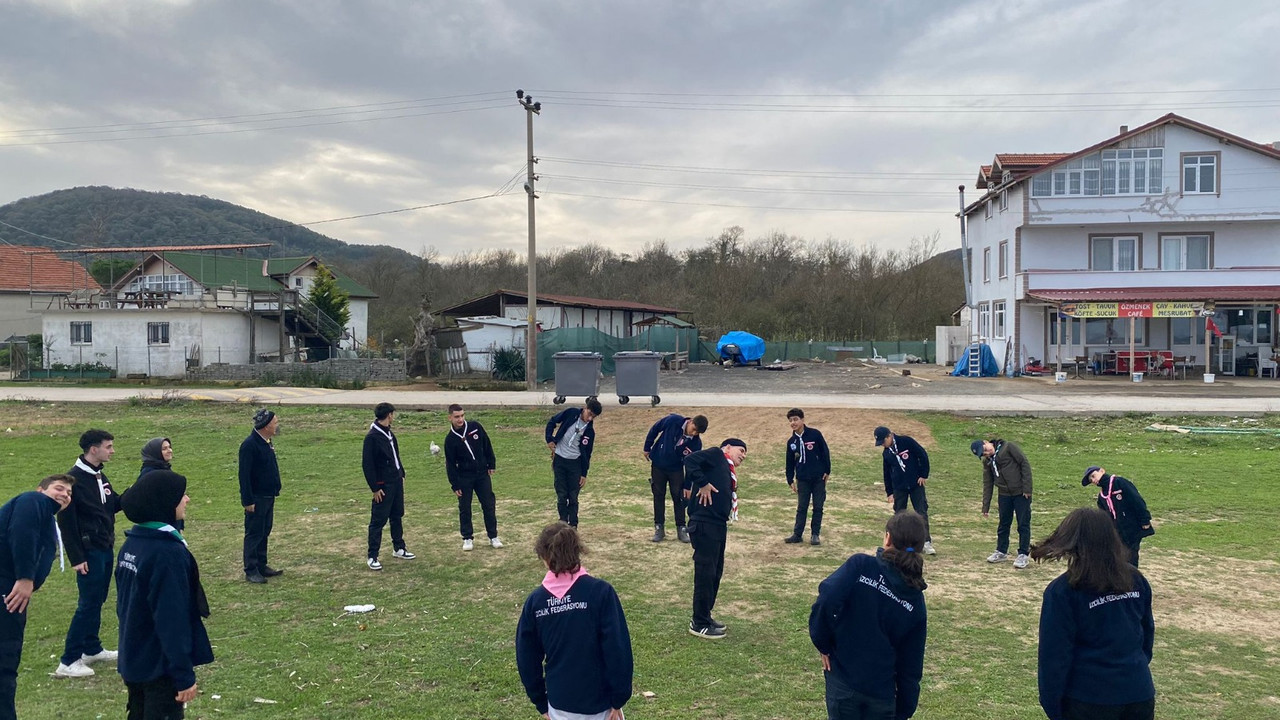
531,108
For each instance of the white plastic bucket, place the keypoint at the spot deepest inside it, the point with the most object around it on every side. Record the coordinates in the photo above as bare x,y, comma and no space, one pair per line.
1208,377
1137,377
1060,377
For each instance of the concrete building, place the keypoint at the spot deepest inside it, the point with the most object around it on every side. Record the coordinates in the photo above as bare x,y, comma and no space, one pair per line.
1141,236
486,334
612,317
31,281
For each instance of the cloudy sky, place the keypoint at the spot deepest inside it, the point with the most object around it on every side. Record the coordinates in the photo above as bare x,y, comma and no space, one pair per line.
661,120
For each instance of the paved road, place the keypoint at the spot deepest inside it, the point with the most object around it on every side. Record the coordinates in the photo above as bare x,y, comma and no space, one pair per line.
1226,401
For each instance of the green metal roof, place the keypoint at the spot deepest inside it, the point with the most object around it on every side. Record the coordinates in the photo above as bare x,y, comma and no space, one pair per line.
222,270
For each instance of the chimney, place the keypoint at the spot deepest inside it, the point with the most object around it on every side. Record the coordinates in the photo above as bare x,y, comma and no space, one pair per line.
1124,129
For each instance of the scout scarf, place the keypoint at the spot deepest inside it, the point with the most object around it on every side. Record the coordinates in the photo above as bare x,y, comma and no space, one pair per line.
1111,506
395,452
733,488
463,436
103,489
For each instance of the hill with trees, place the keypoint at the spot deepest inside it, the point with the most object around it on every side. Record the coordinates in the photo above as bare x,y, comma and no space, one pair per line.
777,286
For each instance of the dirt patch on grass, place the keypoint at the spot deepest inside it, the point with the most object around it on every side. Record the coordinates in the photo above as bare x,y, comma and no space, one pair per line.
621,433
1189,593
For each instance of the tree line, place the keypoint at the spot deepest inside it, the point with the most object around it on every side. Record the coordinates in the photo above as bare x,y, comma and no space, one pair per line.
777,286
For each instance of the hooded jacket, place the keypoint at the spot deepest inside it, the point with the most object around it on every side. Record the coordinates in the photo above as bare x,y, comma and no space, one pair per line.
1008,470
89,522
872,625
808,458
1095,647
905,462
559,425
667,444
467,453
159,606
28,540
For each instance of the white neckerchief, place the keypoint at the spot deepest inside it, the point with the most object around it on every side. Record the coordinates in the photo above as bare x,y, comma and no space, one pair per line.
62,553
800,442
996,451
463,436
896,456
391,439
97,474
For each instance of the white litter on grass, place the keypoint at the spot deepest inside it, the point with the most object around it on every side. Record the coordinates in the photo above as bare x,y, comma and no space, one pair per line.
264,701
216,697
359,608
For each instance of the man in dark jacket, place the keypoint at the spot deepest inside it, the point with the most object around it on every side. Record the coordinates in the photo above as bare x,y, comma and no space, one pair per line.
159,601
28,539
808,469
384,473
669,442
906,468
259,488
1121,500
469,462
571,437
1006,469
88,527
712,476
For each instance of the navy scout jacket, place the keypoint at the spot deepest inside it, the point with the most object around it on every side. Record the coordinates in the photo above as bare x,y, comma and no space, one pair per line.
467,453
808,458
667,444
904,463
27,539
259,472
381,458
709,467
89,522
566,420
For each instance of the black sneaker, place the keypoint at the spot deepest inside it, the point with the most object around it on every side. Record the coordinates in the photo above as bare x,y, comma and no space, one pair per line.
718,625
815,540
268,571
792,539
256,579
658,533
706,632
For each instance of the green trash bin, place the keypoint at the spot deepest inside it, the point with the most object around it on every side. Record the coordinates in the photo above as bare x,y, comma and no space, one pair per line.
577,374
636,373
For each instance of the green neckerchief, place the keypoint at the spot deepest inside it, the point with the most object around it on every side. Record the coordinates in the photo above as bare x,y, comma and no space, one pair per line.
164,527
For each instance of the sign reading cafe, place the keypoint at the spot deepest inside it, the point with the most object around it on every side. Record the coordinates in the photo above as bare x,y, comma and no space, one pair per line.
1160,309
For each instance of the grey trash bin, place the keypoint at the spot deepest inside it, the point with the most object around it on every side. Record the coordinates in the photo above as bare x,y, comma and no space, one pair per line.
637,374
577,373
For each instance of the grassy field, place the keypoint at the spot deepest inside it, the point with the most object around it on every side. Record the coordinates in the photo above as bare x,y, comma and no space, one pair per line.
440,644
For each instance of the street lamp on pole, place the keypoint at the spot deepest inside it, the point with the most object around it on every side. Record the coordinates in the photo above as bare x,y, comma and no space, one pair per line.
531,108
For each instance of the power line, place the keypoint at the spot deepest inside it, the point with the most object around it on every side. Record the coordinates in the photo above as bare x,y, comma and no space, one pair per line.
949,211
1070,93
971,109
731,188
817,174
36,234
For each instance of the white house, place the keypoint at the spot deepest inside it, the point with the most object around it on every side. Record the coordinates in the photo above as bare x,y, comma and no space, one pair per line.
176,310
1154,228
32,280
485,334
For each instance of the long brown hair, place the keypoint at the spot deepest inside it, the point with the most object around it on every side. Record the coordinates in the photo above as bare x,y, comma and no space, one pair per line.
906,535
560,548
1097,559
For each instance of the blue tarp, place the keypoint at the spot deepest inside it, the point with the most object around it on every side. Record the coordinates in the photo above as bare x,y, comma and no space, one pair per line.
988,364
751,347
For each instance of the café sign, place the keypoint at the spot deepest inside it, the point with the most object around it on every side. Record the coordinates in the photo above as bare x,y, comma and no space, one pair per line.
1157,309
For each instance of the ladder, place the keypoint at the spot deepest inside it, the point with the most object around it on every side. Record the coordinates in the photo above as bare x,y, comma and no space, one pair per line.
975,359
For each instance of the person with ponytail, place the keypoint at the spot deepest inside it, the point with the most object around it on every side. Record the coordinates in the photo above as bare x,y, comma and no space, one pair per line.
1096,626
573,650
869,625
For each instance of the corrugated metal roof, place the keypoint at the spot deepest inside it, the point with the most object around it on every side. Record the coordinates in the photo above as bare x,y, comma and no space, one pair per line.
250,273
482,304
28,269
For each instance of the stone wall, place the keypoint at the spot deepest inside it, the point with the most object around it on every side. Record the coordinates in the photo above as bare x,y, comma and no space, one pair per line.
342,369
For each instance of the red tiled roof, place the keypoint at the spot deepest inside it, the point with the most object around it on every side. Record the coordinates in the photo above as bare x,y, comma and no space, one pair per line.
1265,293
1032,159
21,270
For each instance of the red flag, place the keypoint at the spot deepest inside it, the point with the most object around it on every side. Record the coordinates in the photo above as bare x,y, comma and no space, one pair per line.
1212,327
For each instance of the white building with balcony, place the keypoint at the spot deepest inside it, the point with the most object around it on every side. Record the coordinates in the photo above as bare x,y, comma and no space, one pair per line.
1153,229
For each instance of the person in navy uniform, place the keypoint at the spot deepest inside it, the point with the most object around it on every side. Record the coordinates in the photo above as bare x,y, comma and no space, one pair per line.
808,469
1119,498
669,442
906,469
571,437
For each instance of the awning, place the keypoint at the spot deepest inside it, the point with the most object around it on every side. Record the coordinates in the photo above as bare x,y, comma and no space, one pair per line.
1235,293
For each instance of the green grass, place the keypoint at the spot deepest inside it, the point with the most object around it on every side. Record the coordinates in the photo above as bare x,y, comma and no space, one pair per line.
441,644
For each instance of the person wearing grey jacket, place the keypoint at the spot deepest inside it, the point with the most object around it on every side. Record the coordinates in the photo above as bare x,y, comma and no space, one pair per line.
1006,469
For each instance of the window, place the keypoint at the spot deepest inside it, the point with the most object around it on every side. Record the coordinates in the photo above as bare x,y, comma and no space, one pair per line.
1113,331
81,333
997,319
1074,334
176,284
1004,200
158,333
297,282
984,320
1189,252
1200,173
1136,171
1004,259
1187,331
1250,325
987,210
1113,253
986,265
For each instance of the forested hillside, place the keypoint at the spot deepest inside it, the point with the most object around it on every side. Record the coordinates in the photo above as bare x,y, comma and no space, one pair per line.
777,286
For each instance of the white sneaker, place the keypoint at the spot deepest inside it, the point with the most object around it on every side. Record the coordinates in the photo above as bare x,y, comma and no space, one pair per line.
495,542
1021,562
928,548
468,545
997,556
403,554
105,655
76,669
374,564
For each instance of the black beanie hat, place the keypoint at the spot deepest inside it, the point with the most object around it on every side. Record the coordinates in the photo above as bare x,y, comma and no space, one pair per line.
155,497
262,418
